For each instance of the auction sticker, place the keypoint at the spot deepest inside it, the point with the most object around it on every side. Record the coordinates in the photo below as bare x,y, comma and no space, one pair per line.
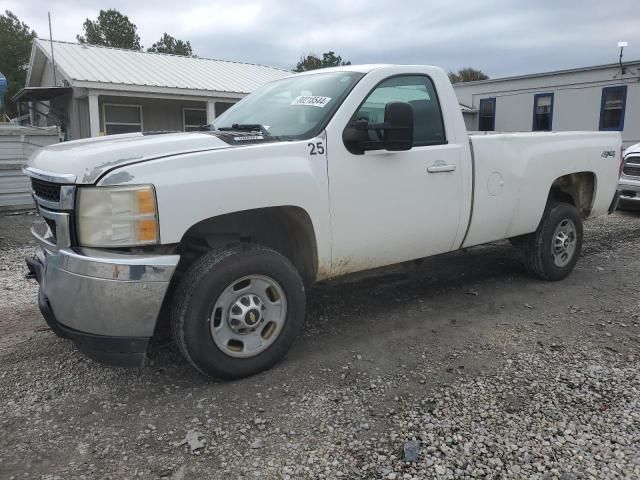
311,100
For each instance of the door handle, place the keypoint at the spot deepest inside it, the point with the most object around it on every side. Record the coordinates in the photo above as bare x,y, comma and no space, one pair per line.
439,167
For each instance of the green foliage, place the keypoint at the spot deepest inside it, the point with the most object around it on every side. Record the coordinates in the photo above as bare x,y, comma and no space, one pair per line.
467,74
311,61
169,44
111,29
15,49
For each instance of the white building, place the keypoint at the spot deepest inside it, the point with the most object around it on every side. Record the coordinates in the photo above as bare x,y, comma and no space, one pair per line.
603,97
94,90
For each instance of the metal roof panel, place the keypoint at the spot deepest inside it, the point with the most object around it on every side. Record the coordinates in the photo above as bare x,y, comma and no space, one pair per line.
92,63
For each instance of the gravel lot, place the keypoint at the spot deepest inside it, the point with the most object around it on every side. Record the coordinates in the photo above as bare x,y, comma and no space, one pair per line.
461,363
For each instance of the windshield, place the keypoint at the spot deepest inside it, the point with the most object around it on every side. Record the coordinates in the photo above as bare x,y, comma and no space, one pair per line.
296,107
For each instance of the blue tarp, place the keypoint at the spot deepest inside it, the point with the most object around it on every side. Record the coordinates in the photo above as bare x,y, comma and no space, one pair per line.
3,88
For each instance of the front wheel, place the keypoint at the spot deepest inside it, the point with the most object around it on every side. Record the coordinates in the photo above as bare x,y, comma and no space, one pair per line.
552,251
238,310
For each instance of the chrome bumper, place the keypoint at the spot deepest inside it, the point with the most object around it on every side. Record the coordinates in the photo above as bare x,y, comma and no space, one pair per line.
105,293
107,303
629,189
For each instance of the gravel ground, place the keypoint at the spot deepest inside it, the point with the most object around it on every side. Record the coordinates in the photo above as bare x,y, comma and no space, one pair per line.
459,367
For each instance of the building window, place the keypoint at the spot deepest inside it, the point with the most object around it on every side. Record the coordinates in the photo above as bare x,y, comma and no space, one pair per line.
542,112
121,118
487,119
193,118
612,108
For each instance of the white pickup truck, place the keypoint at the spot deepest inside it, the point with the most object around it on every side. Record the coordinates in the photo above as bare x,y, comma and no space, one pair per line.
313,176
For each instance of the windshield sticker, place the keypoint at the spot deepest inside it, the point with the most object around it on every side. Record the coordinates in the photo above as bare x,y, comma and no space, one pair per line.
311,100
248,137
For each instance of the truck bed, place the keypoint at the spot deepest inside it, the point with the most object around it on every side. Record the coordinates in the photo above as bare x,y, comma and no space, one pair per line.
513,173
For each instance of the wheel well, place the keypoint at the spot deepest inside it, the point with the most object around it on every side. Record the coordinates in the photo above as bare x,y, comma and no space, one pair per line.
287,230
578,189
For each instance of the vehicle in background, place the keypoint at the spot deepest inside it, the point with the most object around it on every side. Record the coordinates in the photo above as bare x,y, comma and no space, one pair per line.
629,183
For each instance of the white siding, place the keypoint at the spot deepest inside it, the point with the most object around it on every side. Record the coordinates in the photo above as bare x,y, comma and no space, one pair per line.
16,146
577,109
520,112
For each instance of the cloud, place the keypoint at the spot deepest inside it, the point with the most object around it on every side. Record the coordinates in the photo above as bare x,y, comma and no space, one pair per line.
501,37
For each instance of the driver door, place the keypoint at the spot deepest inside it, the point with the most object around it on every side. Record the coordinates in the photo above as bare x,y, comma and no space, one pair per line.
388,207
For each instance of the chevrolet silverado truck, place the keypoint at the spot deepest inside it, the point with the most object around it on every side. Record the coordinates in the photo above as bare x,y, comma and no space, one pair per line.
629,183
313,176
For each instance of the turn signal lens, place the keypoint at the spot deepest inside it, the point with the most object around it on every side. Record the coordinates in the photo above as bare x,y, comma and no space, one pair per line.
147,230
146,201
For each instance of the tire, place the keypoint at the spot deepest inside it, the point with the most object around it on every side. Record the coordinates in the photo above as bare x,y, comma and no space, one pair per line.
205,306
544,250
517,242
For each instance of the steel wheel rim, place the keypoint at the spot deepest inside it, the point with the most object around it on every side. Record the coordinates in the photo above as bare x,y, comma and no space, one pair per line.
248,316
563,243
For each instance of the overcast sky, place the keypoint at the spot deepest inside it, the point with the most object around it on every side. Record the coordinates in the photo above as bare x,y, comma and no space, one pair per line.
500,37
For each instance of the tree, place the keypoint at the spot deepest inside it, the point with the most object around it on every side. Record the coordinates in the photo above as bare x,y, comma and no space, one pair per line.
467,74
311,61
111,29
169,44
16,38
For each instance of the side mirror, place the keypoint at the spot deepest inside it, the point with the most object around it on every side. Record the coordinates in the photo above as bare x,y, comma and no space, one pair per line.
395,134
398,133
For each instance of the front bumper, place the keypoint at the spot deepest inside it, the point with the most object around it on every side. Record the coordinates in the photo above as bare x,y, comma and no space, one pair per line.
107,303
629,190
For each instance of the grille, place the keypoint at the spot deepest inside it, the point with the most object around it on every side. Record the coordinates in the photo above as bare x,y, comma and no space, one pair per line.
46,190
632,170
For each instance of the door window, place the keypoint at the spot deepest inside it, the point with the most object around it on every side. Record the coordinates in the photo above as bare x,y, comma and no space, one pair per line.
419,92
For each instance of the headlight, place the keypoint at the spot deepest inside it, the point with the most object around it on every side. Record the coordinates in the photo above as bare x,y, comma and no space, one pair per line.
117,216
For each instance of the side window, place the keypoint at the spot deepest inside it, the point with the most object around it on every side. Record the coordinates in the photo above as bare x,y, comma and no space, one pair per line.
487,118
612,108
418,91
193,118
542,112
122,118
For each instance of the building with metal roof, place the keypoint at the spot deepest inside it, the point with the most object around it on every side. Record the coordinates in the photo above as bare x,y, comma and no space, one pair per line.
91,90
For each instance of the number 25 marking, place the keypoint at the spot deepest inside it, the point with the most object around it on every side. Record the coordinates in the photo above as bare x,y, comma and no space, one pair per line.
316,148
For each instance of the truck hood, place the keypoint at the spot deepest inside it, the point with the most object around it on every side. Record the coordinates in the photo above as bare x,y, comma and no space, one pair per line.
632,149
89,159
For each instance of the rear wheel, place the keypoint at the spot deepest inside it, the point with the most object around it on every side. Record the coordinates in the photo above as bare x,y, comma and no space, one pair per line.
552,251
238,310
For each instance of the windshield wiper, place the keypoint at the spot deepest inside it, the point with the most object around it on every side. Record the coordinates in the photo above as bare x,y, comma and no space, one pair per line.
247,127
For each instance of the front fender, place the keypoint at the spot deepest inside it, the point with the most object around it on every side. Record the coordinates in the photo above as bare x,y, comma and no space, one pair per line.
196,186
